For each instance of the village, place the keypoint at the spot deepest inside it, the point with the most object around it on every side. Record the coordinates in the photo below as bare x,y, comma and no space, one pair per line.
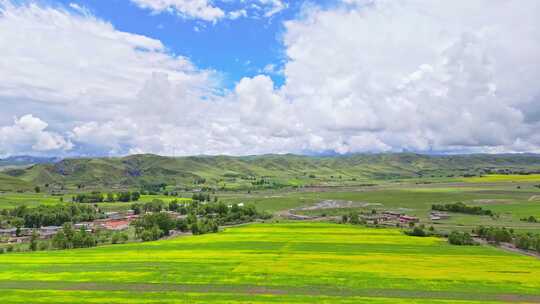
113,221
389,218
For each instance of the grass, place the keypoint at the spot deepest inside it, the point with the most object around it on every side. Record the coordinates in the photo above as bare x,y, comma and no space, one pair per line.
490,178
274,263
236,173
29,199
8,183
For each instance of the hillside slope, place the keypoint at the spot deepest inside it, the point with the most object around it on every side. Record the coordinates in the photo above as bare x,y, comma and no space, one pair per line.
9,183
242,172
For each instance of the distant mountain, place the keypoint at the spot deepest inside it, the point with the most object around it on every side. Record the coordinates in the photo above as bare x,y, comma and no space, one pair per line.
270,170
25,160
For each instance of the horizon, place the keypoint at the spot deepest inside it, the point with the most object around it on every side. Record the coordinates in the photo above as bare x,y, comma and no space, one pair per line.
2,158
326,77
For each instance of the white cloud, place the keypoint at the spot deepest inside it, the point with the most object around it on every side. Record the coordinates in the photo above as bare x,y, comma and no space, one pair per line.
29,133
273,6
206,10
198,9
417,74
366,76
237,14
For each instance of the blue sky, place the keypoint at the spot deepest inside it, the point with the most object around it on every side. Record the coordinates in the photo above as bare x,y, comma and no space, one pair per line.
236,48
243,77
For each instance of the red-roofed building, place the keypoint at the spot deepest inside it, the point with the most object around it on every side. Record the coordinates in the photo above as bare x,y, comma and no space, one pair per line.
115,224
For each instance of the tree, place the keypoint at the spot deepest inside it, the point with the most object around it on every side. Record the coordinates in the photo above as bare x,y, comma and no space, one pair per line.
124,196
151,234
137,208
60,241
135,196
37,189
523,241
34,241
146,224
110,197
460,238
417,231
353,218
173,205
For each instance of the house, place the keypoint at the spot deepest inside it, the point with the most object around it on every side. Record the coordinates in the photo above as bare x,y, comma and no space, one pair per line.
83,225
20,239
114,215
392,214
8,232
436,216
48,232
116,225
408,219
50,229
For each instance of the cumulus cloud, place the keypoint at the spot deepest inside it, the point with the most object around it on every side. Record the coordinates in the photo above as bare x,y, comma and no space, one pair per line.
362,76
74,69
418,75
208,11
29,133
198,9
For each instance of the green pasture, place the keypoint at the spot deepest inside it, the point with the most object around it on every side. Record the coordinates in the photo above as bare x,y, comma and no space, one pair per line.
503,178
11,200
274,263
512,201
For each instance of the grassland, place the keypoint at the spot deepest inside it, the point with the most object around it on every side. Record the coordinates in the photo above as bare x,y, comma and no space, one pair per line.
270,263
11,200
235,173
9,183
490,178
510,200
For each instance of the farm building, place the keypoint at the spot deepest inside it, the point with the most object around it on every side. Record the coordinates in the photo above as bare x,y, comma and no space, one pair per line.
114,224
8,232
48,232
436,216
392,214
408,219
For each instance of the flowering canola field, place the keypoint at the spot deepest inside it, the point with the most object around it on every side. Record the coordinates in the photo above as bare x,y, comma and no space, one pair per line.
274,263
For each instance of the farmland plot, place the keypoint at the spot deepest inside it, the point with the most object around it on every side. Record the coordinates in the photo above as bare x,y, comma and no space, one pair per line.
266,263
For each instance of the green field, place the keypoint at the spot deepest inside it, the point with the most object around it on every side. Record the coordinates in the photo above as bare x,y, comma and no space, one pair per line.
504,178
510,200
265,263
12,200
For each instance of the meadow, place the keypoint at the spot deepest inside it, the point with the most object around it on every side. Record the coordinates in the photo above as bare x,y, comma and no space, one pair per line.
510,200
504,178
270,263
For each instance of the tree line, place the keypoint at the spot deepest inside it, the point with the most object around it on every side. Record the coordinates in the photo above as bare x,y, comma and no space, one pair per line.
198,218
460,207
496,235
98,197
48,215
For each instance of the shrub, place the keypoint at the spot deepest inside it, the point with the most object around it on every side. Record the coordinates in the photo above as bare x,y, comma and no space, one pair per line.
460,238
417,231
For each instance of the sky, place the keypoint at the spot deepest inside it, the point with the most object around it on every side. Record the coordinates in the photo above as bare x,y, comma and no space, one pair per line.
244,77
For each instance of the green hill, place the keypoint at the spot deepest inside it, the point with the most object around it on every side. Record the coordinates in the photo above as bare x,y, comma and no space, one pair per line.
275,170
9,183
